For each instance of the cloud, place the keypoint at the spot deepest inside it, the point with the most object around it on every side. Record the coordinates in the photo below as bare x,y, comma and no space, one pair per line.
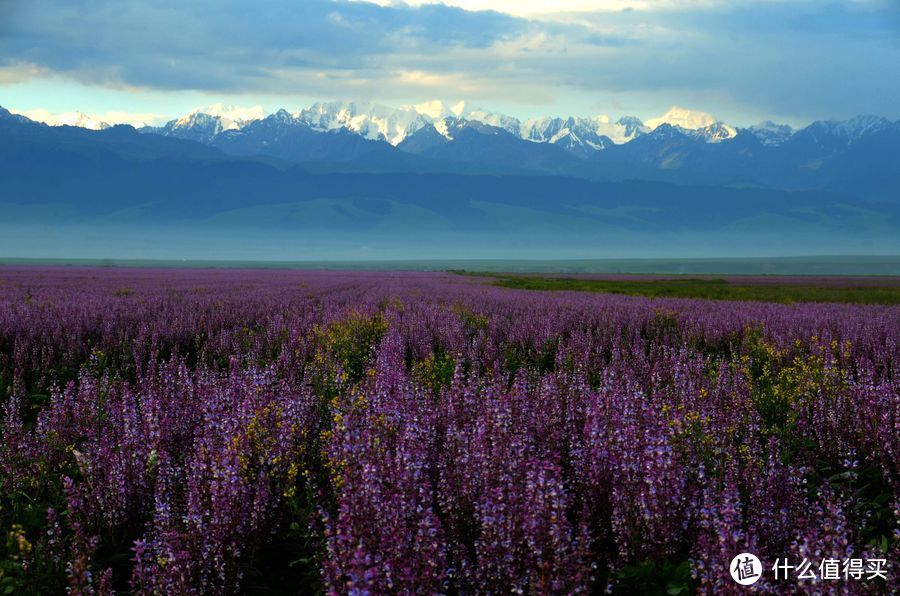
225,44
798,59
12,74
544,8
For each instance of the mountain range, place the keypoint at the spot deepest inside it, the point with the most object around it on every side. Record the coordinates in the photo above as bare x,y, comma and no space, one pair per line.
345,177
681,146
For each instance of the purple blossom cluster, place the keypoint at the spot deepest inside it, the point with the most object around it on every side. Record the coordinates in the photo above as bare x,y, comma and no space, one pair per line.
166,432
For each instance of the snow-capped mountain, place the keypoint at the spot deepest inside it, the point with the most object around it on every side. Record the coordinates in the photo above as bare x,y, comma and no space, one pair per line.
438,110
279,175
699,125
714,133
342,131
771,134
205,123
381,123
378,122
371,121
233,114
683,118
77,119
511,125
595,133
631,127
8,116
856,157
851,130
579,135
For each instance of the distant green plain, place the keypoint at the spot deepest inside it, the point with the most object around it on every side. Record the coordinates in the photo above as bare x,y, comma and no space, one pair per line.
715,289
873,265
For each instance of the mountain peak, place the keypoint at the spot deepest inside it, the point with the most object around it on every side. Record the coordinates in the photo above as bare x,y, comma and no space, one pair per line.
436,109
375,122
8,115
631,127
77,119
283,115
231,112
716,132
683,118
859,126
371,121
771,134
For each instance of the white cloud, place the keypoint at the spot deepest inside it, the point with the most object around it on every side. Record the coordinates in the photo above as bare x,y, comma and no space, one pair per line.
527,8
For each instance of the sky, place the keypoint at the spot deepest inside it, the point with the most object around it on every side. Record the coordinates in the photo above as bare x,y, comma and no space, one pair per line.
744,61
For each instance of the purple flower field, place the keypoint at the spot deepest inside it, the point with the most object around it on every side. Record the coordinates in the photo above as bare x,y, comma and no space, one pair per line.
217,432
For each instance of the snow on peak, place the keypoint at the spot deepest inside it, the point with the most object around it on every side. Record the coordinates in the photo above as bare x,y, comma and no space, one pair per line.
631,127
378,122
717,132
443,127
371,121
860,126
507,123
230,112
698,124
683,118
81,120
621,131
437,109
459,109
770,126
78,119
217,118
771,134
582,130
382,123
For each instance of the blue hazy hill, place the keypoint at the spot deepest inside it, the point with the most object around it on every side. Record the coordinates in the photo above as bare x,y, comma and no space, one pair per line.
120,185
